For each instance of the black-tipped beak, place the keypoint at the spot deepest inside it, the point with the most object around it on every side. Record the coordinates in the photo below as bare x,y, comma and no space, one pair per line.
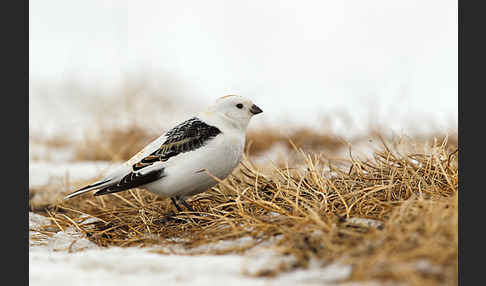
255,109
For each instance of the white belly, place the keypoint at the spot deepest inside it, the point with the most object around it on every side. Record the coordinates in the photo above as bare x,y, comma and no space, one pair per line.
184,175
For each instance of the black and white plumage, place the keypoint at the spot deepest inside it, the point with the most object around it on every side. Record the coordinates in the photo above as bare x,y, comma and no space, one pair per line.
187,136
173,164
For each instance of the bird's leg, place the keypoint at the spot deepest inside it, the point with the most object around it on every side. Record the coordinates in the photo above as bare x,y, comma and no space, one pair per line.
180,199
175,204
194,219
170,216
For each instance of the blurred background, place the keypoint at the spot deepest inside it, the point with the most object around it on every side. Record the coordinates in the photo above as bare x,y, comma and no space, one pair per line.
108,77
343,67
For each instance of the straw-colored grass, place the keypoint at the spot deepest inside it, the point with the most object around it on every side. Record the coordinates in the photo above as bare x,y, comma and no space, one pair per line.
112,144
316,211
259,141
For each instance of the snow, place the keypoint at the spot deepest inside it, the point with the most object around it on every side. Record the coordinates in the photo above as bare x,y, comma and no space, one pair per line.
67,257
43,173
365,222
129,266
36,221
41,152
70,240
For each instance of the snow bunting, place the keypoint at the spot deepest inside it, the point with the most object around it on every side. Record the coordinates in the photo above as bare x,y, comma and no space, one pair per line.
177,163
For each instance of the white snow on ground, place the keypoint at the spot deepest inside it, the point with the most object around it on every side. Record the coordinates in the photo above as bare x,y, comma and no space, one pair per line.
67,257
44,173
137,266
41,152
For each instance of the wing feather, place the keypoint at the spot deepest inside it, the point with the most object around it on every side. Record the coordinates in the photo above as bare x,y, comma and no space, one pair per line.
187,136
132,180
146,166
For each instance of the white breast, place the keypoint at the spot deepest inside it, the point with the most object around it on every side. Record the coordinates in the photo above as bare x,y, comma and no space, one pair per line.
184,175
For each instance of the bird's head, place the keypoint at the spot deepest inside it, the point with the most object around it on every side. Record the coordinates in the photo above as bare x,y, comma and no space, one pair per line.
234,109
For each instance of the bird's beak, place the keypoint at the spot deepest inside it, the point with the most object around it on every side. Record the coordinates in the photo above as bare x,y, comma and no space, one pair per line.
255,109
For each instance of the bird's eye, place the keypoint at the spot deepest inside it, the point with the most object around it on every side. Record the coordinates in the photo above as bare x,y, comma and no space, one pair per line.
239,105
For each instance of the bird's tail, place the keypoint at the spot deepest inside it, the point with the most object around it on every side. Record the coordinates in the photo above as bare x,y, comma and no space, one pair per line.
96,185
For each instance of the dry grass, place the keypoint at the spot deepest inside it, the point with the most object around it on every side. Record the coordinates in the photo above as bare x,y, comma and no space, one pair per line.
313,209
112,144
259,141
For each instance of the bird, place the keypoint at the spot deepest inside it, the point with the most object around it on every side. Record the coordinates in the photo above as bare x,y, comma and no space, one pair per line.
187,159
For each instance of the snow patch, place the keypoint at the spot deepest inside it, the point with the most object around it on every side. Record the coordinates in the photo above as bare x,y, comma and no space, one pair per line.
46,173
70,240
36,221
129,266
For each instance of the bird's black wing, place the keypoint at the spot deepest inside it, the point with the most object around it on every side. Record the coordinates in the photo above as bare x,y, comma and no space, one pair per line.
185,137
132,180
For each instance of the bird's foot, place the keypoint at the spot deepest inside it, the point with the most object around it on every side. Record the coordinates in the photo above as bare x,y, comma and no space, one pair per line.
180,199
186,205
169,217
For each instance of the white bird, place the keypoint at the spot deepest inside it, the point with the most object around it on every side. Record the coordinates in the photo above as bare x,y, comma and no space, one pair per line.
177,163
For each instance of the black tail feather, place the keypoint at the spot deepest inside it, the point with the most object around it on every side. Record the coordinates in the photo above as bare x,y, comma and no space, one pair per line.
130,181
87,188
92,185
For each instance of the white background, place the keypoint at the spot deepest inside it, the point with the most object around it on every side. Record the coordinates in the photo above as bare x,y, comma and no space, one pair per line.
393,62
